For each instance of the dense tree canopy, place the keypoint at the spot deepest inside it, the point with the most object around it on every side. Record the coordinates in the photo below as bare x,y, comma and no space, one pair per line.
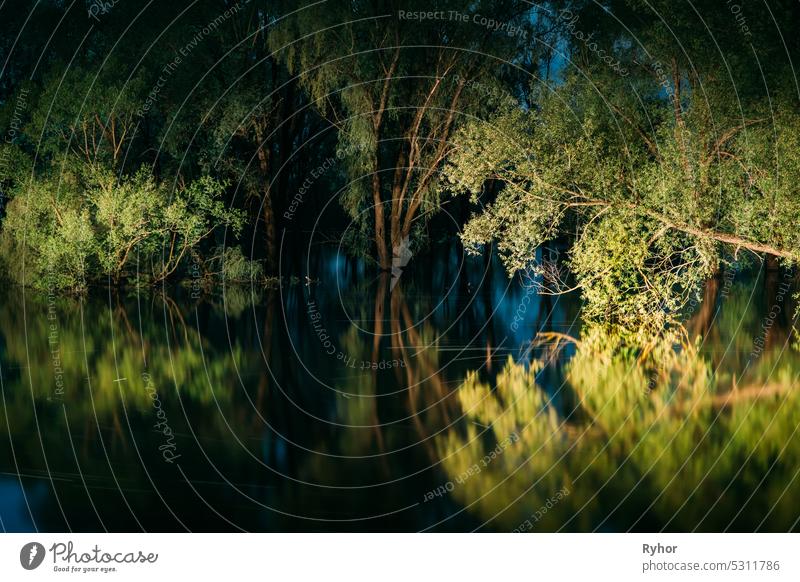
144,152
657,141
656,174
395,79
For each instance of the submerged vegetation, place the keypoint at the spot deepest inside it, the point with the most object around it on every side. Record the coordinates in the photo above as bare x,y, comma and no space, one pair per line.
634,157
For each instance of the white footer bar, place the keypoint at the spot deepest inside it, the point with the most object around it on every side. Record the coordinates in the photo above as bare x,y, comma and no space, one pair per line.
400,557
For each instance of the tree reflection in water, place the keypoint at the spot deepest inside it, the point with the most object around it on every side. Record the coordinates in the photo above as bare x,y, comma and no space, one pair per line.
655,440
427,390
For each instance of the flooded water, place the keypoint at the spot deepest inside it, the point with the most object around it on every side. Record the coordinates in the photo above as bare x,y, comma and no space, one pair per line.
349,400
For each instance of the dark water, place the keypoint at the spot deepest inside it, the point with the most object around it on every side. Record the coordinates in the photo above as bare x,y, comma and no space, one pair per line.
340,403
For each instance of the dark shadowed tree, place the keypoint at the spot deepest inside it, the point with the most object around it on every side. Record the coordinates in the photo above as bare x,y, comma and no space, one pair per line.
396,80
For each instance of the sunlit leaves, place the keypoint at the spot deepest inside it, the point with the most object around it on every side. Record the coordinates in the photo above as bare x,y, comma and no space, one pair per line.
72,231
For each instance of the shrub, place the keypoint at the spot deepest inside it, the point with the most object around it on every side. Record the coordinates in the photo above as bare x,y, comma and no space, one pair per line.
230,265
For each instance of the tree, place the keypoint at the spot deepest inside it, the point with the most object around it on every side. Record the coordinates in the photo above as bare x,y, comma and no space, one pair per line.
655,175
231,110
396,79
68,230
93,186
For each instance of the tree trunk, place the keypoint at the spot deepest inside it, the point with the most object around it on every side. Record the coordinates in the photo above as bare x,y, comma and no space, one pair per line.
408,222
397,202
384,259
267,210
700,323
270,234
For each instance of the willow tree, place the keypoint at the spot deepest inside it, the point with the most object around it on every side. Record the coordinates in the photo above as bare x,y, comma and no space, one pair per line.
230,110
395,80
656,169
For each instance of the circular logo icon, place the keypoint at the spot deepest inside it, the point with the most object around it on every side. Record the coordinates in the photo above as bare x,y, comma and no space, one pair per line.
31,555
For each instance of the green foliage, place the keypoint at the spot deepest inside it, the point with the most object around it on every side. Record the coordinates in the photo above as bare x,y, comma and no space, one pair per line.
647,429
64,232
396,87
68,342
636,276
48,239
86,113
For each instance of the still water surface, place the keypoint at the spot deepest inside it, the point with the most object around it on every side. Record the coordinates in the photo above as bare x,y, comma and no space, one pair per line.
347,401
